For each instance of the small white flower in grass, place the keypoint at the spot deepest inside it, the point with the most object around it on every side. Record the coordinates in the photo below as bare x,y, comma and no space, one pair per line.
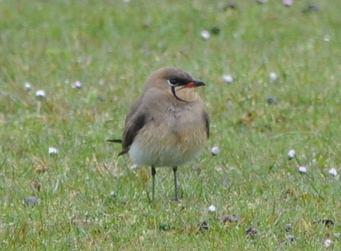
27,86
326,38
302,169
40,94
215,150
53,151
291,154
332,171
77,85
212,209
228,79
273,76
327,243
205,34
287,3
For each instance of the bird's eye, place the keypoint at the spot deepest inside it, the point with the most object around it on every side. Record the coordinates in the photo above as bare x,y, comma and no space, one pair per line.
173,82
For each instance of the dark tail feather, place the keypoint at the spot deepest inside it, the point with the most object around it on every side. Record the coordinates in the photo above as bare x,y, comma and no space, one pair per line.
114,140
121,153
117,141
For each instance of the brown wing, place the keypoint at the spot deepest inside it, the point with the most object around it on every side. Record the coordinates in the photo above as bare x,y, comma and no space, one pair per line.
207,123
132,127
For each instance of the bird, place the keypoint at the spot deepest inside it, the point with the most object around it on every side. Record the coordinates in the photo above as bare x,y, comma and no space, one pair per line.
167,125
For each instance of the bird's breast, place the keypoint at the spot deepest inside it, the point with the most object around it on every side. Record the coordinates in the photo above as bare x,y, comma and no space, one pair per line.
173,140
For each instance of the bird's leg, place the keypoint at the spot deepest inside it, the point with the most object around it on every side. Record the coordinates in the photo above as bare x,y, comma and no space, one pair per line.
153,180
175,168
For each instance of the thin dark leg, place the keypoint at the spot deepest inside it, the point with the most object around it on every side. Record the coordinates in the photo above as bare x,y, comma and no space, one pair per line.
175,168
153,180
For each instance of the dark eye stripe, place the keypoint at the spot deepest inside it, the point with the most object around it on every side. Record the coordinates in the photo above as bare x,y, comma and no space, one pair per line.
178,81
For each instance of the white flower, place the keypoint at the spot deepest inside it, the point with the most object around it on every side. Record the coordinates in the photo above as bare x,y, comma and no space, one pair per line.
326,38
215,150
77,84
53,151
205,34
27,86
228,79
212,209
40,94
327,243
291,154
287,2
302,169
273,76
332,171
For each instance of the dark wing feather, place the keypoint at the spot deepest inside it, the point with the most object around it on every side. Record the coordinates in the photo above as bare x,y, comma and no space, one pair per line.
133,125
207,123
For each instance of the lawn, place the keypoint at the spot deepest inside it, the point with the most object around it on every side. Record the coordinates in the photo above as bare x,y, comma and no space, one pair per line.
285,94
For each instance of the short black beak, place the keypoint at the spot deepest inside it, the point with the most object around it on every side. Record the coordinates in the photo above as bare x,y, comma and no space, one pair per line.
199,83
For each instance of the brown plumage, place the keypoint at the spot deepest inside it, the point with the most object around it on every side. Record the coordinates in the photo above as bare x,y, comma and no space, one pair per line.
168,125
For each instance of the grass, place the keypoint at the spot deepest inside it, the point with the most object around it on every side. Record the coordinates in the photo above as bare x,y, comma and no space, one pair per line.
90,199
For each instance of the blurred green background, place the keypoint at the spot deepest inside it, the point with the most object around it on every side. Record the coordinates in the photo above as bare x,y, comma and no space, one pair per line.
88,198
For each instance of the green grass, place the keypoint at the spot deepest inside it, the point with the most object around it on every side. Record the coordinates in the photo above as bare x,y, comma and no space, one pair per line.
90,199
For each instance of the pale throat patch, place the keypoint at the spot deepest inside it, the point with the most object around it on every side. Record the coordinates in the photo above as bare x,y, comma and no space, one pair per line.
187,94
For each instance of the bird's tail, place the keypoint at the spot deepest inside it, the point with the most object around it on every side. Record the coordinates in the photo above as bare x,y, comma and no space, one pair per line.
114,140
117,141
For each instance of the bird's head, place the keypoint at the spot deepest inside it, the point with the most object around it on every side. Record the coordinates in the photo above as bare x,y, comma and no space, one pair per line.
176,81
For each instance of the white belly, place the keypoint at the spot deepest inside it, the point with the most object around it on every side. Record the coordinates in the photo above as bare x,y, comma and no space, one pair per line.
160,148
165,156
